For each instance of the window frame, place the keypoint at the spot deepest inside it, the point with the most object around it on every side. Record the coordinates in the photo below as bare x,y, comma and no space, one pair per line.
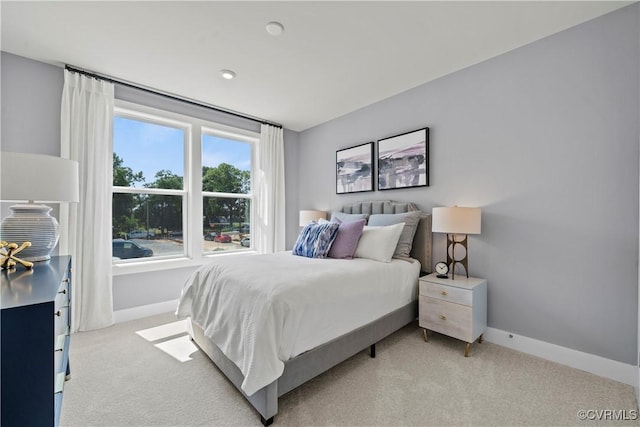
192,193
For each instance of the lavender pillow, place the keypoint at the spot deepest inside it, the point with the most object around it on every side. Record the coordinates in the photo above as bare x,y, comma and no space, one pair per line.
346,242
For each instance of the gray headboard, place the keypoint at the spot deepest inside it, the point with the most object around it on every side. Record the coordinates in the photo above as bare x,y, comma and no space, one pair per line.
421,249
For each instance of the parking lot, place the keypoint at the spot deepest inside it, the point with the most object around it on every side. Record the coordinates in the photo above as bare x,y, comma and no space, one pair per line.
162,247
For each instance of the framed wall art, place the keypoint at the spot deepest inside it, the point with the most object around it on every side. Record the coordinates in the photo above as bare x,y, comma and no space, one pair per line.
354,169
403,160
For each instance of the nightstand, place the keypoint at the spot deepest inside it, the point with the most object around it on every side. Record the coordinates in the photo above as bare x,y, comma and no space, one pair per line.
457,308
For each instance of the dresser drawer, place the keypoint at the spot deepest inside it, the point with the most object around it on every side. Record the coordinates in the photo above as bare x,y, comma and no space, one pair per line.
63,295
61,322
61,354
454,320
446,293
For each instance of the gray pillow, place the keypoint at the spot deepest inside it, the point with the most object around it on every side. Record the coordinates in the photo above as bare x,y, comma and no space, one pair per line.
347,217
410,219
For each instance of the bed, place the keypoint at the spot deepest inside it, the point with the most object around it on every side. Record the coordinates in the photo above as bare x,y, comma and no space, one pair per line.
309,294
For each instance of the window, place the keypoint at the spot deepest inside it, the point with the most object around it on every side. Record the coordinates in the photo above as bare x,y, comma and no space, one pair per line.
167,167
226,185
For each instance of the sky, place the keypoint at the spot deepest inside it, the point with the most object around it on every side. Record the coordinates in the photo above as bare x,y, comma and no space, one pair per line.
150,147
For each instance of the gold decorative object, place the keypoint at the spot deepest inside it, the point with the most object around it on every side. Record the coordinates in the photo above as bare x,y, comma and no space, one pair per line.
8,253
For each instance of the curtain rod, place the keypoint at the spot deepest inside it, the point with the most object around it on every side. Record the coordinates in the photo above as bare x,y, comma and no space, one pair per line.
168,95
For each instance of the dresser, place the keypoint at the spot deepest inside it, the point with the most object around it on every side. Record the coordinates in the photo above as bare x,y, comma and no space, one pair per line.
457,308
34,356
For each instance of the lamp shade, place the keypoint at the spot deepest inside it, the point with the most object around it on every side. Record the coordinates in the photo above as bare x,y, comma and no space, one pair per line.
307,216
38,177
456,220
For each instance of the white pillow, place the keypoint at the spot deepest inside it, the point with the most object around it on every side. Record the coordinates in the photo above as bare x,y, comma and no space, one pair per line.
379,243
410,219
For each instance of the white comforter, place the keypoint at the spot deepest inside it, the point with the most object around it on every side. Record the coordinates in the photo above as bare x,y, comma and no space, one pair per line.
262,310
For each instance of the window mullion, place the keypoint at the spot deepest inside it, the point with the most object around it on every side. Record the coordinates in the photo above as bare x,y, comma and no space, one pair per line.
226,195
144,190
195,193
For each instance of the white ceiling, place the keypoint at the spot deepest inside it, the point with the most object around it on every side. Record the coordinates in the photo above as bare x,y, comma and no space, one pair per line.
334,57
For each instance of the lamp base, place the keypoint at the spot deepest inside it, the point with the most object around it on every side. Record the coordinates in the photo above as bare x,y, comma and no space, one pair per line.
451,254
31,223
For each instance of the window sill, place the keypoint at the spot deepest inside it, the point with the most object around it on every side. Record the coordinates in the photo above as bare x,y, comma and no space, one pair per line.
121,269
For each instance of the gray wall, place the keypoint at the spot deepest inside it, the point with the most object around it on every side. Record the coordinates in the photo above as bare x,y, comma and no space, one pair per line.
31,96
545,140
30,110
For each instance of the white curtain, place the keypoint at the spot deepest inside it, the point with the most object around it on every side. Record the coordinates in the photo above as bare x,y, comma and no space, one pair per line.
86,130
268,207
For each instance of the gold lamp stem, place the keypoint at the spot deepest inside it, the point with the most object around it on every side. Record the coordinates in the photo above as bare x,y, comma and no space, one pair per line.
451,254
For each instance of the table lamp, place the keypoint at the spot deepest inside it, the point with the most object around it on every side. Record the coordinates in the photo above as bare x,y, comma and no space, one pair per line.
306,216
456,221
35,177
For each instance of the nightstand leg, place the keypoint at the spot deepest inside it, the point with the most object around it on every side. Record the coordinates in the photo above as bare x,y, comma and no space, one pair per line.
480,339
466,350
424,334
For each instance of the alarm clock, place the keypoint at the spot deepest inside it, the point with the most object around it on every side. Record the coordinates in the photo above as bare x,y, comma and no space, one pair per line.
442,269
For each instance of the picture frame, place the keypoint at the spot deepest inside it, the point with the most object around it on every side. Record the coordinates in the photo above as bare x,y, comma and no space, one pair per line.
354,169
403,160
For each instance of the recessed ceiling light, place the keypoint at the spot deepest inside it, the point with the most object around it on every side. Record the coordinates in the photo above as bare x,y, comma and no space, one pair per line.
227,74
275,28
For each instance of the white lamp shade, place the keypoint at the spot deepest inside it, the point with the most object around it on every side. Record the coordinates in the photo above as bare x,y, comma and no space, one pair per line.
307,216
38,177
456,220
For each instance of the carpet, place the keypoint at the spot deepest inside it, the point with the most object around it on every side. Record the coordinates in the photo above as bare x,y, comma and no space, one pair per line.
148,373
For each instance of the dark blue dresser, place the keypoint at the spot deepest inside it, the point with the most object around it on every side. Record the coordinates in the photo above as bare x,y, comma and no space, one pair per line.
34,353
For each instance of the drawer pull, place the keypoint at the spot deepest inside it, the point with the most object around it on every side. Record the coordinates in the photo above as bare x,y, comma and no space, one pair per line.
443,293
64,291
58,313
66,280
443,317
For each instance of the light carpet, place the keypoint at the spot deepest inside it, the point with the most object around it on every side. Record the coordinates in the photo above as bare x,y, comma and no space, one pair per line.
143,373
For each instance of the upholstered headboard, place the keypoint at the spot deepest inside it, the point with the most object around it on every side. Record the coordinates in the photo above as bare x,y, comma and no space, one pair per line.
421,249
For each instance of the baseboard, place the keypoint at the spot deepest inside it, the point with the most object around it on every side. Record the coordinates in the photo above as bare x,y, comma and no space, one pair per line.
133,313
638,389
612,369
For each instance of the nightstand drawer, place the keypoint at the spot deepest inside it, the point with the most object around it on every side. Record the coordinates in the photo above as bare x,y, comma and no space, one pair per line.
445,293
454,320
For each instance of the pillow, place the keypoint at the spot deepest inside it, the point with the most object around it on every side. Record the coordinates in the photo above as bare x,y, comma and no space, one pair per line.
410,219
378,243
346,217
315,240
346,242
